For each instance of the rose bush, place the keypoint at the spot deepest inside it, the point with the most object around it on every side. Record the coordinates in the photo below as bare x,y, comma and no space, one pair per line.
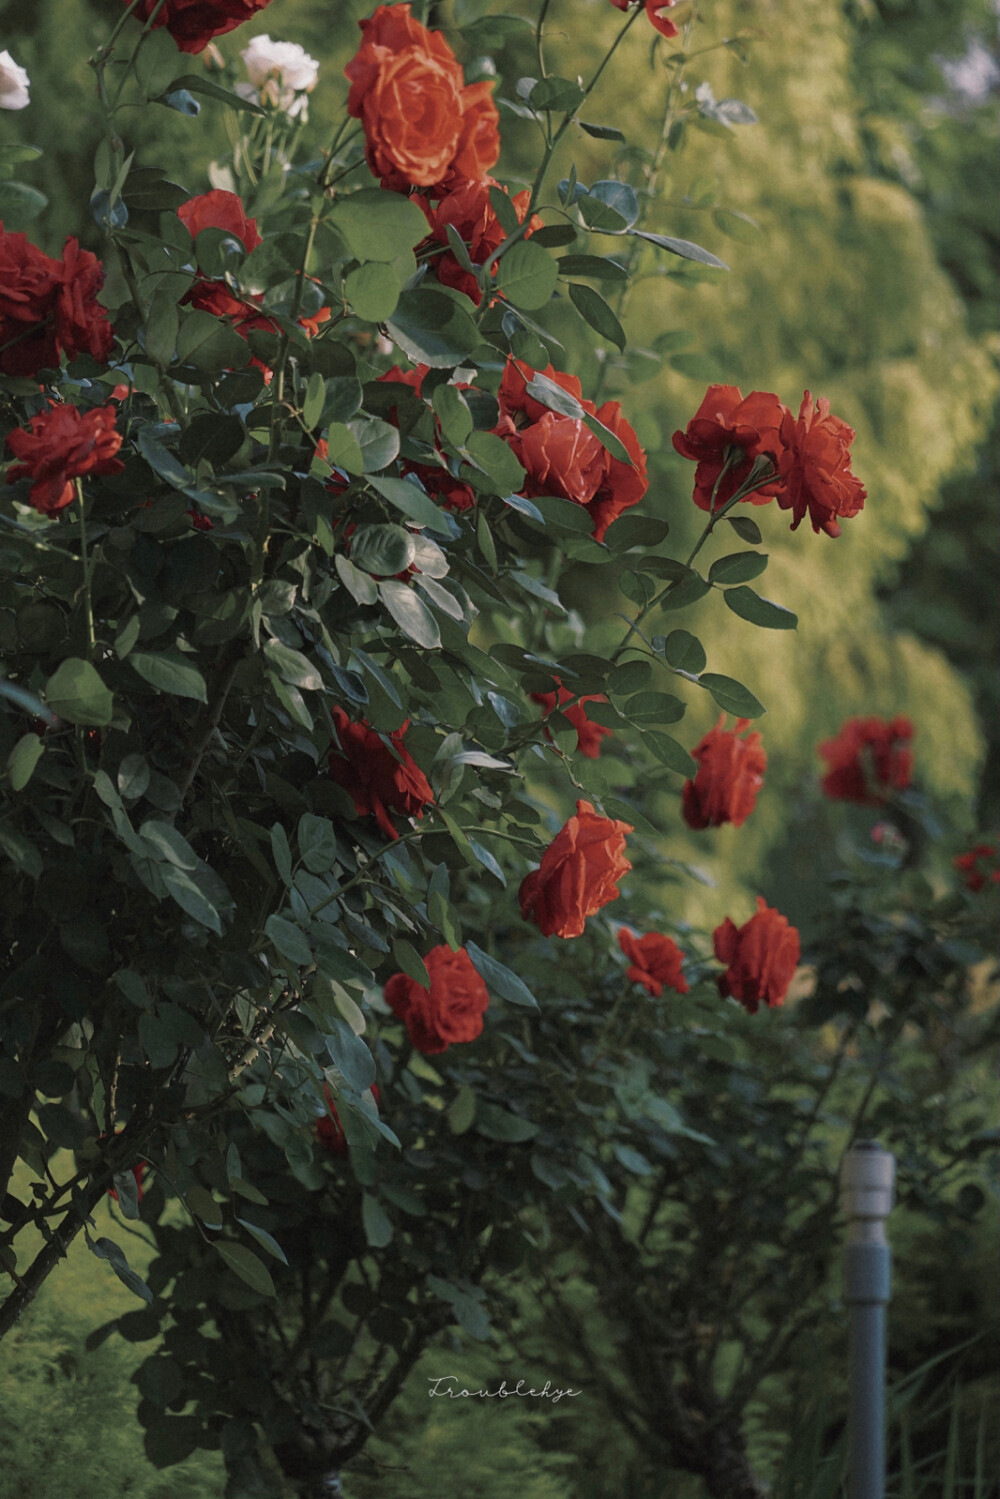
282,619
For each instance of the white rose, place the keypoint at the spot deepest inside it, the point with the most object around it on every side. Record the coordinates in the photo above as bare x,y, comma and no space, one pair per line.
14,84
280,72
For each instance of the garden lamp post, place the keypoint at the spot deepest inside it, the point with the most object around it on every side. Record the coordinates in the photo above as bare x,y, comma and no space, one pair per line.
866,1179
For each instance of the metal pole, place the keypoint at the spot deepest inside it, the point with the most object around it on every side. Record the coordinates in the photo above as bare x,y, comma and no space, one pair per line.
866,1180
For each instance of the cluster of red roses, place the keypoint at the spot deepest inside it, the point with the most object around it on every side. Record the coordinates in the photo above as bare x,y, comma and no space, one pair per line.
803,462
980,866
429,133
49,307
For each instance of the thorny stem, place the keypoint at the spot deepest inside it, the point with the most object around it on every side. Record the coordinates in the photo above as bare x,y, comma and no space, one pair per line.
85,561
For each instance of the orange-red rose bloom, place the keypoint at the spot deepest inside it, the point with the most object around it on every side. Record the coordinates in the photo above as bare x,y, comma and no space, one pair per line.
219,210
815,466
330,1131
381,780
588,733
451,1010
560,454
656,10
49,307
656,961
761,958
868,759
423,126
579,874
730,427
60,445
981,865
731,768
193,23
469,212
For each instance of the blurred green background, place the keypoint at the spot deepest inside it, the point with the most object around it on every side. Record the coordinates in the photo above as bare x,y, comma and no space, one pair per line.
872,281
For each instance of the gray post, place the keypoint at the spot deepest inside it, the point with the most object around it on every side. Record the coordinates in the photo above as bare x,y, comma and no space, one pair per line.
866,1179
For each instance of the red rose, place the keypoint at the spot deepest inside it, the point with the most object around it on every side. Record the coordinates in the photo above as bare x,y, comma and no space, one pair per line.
730,774
561,455
578,874
656,11
728,426
329,1130
979,865
623,485
60,445
219,210
381,780
656,961
762,956
588,734
451,1010
49,307
423,126
815,465
193,23
469,211
868,759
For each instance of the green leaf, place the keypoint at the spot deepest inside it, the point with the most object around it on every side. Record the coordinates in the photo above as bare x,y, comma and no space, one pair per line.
682,247
106,1249
376,1222
378,225
411,500
411,614
204,1206
601,132
264,1239
594,310
292,666
499,979
432,329
289,941
411,962
653,707
76,692
597,266
167,844
462,1110
373,291
669,752
684,652
281,853
19,204
496,460
170,674
190,897
378,442
317,843
687,590
500,1124
382,550
158,62
343,448
244,1263
739,226
731,695
22,760
738,567
171,1439
452,411
359,585
210,344
746,529
312,406
556,93
197,83
759,611
527,275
